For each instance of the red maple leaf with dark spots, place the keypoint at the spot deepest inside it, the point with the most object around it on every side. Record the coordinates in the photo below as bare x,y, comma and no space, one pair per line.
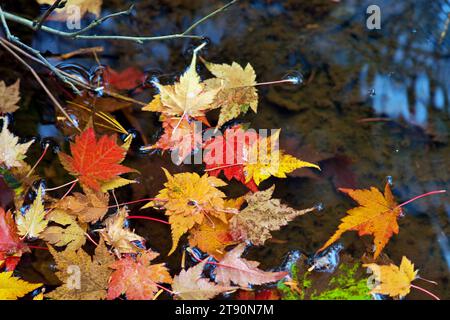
228,153
92,161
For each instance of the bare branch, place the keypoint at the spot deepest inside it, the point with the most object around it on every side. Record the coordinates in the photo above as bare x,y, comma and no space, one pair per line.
41,20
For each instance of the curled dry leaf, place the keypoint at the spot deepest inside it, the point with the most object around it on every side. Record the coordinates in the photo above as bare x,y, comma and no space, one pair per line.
32,222
377,215
189,200
190,285
392,280
12,288
11,151
118,236
234,269
9,97
93,272
94,161
261,216
87,208
137,278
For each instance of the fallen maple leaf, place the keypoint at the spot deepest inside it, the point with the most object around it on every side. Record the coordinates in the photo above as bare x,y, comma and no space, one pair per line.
32,222
68,233
266,159
12,288
188,97
236,91
9,240
9,97
118,236
94,162
242,272
11,152
72,7
190,285
89,207
93,273
127,79
190,199
392,280
377,215
212,237
137,278
261,216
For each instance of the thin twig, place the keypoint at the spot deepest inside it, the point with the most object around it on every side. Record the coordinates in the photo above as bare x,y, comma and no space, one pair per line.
41,20
139,39
39,80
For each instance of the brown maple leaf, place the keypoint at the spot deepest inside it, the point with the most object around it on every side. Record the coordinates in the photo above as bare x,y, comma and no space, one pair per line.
9,97
92,272
261,216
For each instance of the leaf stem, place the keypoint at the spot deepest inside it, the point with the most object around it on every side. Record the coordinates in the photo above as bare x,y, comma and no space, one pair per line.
135,201
62,186
421,196
38,161
426,291
37,247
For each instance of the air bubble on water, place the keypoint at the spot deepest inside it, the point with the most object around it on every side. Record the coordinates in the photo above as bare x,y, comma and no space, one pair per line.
145,150
372,93
74,120
319,206
99,91
51,144
390,180
414,30
295,77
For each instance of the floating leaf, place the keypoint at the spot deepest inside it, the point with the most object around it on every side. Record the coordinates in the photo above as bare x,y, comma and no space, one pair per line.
12,288
9,97
11,152
33,222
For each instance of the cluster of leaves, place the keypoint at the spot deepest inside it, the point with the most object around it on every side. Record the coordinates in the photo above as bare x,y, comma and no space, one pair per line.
122,264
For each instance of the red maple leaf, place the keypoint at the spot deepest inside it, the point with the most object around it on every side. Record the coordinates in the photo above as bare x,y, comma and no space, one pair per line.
92,161
127,79
10,242
228,153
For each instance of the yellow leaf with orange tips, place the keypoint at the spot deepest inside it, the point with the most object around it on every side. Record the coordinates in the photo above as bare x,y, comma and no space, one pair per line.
377,215
266,159
189,200
12,288
392,280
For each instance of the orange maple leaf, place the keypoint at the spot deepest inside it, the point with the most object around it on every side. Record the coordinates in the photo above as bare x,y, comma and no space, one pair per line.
92,161
137,278
377,215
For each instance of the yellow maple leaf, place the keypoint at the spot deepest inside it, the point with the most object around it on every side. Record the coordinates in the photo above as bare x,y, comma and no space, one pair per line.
392,280
11,152
265,159
189,199
12,288
32,223
72,7
236,87
9,97
188,97
377,215
69,233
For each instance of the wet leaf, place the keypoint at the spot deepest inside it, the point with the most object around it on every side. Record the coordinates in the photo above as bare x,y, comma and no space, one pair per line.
261,216
11,151
92,272
377,215
94,161
32,223
12,288
189,199
137,278
190,285
9,97
234,269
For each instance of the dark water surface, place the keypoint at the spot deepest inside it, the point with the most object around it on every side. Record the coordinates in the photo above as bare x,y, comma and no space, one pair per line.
352,77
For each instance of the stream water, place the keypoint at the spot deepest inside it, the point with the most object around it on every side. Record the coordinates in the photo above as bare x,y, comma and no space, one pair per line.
373,106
